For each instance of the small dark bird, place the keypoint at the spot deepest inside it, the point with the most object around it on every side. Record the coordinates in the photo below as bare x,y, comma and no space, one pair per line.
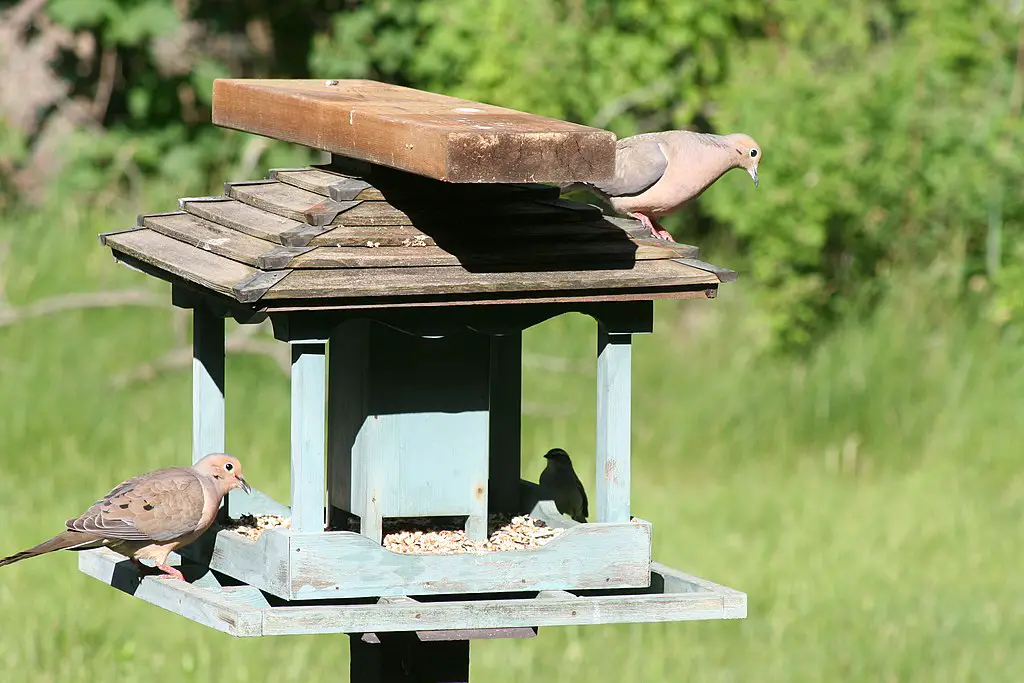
561,483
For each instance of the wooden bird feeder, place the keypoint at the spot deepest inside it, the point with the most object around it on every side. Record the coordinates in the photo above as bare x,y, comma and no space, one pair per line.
417,257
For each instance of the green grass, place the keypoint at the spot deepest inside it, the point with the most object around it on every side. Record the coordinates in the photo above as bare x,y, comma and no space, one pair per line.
867,498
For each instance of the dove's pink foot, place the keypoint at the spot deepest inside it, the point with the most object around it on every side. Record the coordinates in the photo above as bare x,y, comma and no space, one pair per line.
652,225
170,572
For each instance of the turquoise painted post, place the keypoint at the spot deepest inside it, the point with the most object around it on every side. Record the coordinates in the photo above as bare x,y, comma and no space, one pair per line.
207,383
614,357
506,391
309,405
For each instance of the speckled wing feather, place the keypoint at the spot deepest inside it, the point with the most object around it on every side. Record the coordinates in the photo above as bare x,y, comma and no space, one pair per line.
639,164
160,506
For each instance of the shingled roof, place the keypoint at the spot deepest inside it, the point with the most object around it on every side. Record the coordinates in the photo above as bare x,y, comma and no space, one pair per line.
317,237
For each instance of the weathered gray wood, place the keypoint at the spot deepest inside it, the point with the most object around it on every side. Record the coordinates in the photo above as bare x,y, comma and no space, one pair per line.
280,257
207,383
724,274
411,421
455,280
673,596
523,256
243,218
402,657
208,236
614,359
505,387
309,404
204,606
253,287
327,183
208,270
369,235
325,212
274,197
342,564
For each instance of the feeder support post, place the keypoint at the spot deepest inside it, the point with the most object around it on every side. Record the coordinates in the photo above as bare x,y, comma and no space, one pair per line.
404,658
308,435
207,383
614,358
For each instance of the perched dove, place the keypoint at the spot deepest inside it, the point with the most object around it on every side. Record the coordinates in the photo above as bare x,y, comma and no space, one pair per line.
656,173
152,514
561,483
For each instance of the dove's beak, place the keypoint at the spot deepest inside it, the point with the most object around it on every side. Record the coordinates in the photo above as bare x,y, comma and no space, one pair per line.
244,484
753,174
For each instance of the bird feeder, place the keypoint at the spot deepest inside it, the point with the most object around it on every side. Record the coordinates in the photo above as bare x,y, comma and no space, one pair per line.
402,275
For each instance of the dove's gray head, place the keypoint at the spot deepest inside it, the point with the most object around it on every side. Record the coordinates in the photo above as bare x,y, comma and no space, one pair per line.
748,151
558,457
225,470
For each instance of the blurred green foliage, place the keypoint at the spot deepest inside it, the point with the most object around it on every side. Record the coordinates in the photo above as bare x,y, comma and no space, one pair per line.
892,128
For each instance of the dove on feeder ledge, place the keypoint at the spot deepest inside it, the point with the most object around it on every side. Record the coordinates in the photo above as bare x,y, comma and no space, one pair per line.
656,173
151,515
559,481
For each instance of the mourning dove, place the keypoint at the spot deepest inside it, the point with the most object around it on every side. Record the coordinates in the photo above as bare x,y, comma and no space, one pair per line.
656,173
151,515
561,483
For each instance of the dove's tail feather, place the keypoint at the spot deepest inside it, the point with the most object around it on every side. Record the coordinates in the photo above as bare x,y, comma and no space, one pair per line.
69,540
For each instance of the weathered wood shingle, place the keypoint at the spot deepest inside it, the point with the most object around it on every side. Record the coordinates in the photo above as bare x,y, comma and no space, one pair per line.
319,236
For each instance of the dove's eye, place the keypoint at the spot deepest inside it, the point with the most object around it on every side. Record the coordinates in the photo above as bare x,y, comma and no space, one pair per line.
229,467
753,153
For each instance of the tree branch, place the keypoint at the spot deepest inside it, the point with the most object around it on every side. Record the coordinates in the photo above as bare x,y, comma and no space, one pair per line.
240,341
10,315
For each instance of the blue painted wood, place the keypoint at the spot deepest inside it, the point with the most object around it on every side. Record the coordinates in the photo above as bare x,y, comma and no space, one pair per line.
409,426
614,358
506,390
341,564
673,596
308,435
207,383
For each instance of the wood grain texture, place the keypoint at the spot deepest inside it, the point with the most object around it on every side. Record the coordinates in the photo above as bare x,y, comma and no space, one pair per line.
514,257
673,596
432,135
244,219
315,284
612,469
208,270
343,564
209,236
321,182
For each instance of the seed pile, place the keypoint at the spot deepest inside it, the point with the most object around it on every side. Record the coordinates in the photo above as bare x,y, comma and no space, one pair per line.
521,533
251,526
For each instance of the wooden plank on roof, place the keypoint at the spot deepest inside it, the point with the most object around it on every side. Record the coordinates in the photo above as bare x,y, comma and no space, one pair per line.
183,260
512,255
277,198
380,236
320,181
456,280
244,218
437,136
210,236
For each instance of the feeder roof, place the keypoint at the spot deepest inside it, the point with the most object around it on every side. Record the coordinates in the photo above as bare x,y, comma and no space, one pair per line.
319,238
